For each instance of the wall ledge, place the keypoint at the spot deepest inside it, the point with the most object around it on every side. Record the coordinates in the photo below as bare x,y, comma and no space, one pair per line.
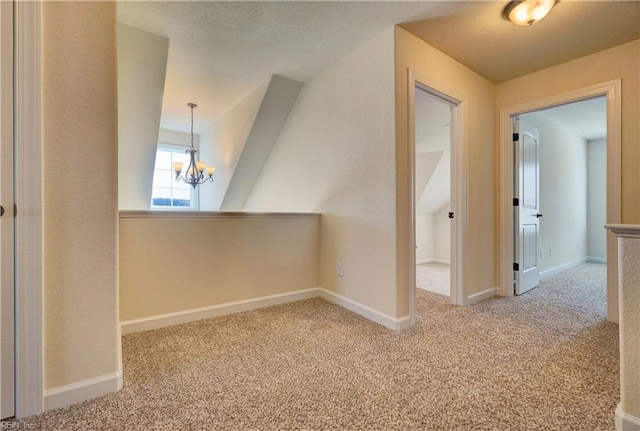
214,214
624,230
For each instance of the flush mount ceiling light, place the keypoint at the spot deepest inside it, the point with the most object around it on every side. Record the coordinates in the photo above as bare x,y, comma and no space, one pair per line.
527,12
194,175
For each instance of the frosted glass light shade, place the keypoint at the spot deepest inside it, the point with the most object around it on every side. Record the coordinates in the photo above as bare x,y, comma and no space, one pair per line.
527,12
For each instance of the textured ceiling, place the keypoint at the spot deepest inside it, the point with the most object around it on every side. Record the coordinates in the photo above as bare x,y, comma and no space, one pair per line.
477,36
220,51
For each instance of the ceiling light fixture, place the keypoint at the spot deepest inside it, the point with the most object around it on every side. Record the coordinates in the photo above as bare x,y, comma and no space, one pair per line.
194,175
527,12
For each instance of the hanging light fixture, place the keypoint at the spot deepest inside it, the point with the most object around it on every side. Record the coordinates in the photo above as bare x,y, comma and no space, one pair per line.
194,175
527,12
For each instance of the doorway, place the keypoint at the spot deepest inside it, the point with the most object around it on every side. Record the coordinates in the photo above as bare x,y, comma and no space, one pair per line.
451,104
572,184
433,192
575,251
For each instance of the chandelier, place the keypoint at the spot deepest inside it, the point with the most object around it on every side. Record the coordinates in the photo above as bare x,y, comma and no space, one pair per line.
194,175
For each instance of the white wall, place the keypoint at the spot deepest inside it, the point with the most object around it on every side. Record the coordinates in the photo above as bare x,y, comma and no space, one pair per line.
142,64
222,144
424,238
335,155
274,109
182,139
597,198
563,193
442,235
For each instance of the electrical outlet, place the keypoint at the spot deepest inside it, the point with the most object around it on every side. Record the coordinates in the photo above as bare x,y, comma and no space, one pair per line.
340,269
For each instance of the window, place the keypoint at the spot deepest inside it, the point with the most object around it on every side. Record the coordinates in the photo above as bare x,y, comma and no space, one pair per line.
167,193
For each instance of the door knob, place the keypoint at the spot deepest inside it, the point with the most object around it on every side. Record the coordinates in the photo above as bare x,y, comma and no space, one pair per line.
538,215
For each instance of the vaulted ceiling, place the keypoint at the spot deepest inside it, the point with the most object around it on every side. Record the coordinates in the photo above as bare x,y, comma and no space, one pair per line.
219,51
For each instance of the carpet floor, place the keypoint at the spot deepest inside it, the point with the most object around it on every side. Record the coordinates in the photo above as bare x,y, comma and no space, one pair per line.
547,360
434,277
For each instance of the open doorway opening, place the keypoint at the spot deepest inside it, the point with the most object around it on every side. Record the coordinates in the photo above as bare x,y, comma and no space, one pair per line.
509,193
572,166
433,192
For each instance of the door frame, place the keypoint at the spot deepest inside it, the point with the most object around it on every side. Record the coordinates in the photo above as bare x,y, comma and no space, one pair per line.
612,91
7,222
28,195
458,185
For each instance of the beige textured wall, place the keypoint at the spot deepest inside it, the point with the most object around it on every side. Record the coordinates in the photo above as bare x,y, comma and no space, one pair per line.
629,252
621,62
480,155
182,263
80,191
335,155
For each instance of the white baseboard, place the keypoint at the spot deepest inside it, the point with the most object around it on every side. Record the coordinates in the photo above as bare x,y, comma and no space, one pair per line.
67,395
626,422
177,318
481,296
393,323
433,259
559,268
597,259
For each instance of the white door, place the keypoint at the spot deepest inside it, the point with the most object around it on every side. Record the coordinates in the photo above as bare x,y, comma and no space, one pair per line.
7,355
526,206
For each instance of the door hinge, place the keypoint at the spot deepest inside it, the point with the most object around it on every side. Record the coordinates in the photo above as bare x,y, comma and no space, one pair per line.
451,215
516,266
15,210
516,137
516,202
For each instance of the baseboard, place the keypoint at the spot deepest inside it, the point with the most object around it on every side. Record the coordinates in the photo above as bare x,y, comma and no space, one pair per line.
626,422
597,259
74,393
559,268
481,296
431,260
393,323
170,319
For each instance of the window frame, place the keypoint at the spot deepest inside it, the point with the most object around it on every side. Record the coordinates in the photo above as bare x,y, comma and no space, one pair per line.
195,204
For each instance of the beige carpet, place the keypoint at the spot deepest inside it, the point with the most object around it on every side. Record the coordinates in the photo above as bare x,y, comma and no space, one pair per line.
434,277
547,360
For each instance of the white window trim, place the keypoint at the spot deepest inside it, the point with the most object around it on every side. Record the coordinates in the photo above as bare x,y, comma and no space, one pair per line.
194,193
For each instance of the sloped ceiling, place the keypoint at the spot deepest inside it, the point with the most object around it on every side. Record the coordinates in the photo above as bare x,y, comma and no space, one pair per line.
433,159
220,51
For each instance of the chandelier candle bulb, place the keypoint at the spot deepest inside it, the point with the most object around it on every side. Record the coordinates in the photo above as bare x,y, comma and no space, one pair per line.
210,170
201,166
177,167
